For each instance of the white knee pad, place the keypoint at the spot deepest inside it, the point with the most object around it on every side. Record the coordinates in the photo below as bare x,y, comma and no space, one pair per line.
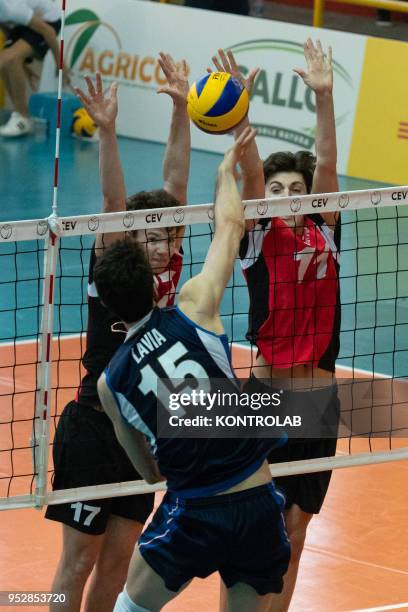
125,604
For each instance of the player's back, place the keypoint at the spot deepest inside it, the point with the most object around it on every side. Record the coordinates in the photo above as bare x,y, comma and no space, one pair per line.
168,345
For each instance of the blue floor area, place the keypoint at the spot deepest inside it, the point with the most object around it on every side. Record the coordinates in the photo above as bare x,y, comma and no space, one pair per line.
374,268
27,171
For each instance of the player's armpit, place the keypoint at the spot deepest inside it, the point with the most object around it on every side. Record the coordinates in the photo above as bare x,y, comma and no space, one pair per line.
201,296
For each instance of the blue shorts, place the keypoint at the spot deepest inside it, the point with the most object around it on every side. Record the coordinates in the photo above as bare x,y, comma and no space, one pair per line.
241,535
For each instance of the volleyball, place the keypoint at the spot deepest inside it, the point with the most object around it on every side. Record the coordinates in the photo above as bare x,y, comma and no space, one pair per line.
82,124
217,103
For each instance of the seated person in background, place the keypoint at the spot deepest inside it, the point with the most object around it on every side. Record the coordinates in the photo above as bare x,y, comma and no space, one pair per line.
221,511
31,28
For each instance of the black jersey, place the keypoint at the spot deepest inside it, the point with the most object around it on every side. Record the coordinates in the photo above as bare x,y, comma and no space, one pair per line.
105,333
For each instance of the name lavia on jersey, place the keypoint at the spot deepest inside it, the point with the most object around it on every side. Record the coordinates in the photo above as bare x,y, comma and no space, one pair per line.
148,343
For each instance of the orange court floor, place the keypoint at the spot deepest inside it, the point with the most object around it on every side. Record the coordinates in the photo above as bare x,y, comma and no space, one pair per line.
356,553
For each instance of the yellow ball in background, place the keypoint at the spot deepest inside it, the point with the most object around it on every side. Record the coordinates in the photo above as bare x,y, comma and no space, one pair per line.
82,125
217,103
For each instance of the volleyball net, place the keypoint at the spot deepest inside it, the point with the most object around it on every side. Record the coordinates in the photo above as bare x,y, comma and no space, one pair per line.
43,319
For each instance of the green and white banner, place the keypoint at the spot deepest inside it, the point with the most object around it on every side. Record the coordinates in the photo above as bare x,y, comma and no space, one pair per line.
122,40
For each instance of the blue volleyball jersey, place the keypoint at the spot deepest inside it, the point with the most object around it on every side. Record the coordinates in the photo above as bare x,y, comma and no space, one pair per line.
167,344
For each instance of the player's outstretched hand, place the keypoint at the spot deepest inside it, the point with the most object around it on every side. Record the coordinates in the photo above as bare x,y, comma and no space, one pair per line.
101,106
319,73
234,154
225,62
177,78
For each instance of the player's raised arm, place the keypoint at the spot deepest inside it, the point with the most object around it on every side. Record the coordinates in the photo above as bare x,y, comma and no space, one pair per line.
201,296
103,108
253,184
319,77
176,164
132,440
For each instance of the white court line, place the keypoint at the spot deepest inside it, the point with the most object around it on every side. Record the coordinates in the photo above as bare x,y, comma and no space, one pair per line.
23,386
34,340
339,368
234,344
315,549
394,607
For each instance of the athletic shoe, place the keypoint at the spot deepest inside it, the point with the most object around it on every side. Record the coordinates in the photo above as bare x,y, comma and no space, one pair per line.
16,126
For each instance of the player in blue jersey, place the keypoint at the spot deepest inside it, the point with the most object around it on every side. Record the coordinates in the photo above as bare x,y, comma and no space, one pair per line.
221,511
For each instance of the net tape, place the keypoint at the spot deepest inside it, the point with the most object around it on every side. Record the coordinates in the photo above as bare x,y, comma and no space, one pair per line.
202,213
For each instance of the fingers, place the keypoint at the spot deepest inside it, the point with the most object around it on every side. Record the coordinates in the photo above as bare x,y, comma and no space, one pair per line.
217,64
307,49
99,88
300,72
81,95
232,62
167,64
113,91
242,142
233,155
247,136
319,47
329,55
90,85
165,90
164,66
184,67
224,60
252,76
171,69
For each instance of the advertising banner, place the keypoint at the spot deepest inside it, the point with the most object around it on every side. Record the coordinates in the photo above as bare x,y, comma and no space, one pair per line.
122,40
380,139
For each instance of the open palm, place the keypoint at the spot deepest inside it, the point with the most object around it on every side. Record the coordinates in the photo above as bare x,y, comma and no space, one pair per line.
319,73
177,78
102,107
226,63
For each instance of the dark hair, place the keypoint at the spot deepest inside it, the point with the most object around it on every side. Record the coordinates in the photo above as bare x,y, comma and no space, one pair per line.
124,280
143,200
303,162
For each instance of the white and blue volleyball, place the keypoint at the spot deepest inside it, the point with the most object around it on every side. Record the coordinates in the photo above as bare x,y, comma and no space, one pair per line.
217,103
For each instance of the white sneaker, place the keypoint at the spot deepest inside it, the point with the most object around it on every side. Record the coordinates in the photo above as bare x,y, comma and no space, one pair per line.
17,125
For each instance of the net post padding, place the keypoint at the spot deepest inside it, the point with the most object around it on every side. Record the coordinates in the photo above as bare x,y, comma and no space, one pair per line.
43,407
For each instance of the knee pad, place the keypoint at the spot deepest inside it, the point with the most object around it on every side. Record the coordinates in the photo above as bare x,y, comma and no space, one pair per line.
125,604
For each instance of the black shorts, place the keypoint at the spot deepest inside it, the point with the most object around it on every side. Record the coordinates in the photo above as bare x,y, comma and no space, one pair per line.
241,535
308,491
86,452
35,40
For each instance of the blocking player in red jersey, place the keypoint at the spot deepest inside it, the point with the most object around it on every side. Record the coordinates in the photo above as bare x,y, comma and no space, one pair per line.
99,535
291,266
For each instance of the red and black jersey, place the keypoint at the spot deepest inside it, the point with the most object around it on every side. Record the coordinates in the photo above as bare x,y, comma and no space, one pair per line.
293,285
101,341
